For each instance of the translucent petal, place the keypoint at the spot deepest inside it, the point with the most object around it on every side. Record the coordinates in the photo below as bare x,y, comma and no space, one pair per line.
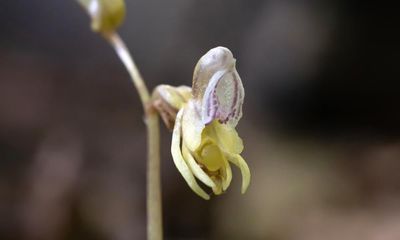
216,59
237,103
196,169
180,162
209,106
244,169
223,98
192,126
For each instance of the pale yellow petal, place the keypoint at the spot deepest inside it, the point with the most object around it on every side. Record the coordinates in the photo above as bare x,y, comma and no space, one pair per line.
192,126
176,97
185,92
226,181
226,137
210,156
196,169
180,162
217,189
244,169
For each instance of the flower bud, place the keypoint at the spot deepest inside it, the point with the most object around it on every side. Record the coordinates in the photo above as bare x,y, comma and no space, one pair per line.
107,15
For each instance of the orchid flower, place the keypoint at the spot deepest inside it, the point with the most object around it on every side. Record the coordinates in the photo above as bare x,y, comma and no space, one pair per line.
204,138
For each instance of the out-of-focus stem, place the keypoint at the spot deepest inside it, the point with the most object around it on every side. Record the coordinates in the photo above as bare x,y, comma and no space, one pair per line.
127,60
154,210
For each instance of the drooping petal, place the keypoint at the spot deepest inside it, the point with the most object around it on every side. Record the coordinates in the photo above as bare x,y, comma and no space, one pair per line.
244,169
218,186
180,162
226,181
192,126
196,169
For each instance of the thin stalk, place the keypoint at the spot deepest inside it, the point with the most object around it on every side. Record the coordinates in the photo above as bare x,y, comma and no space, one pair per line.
154,209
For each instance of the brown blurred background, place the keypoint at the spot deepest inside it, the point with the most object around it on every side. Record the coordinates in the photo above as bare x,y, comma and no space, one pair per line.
321,121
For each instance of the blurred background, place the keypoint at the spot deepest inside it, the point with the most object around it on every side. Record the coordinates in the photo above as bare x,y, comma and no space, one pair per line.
321,122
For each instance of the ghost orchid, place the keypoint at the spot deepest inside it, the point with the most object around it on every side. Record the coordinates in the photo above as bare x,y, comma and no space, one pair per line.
204,139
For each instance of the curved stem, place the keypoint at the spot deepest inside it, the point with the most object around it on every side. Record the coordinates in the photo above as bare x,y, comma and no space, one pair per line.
154,210
126,58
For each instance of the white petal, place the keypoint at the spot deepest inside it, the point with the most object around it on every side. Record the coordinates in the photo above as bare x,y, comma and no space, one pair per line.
180,162
223,98
216,59
236,115
210,101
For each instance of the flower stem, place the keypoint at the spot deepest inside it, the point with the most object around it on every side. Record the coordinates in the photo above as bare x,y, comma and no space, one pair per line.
154,210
